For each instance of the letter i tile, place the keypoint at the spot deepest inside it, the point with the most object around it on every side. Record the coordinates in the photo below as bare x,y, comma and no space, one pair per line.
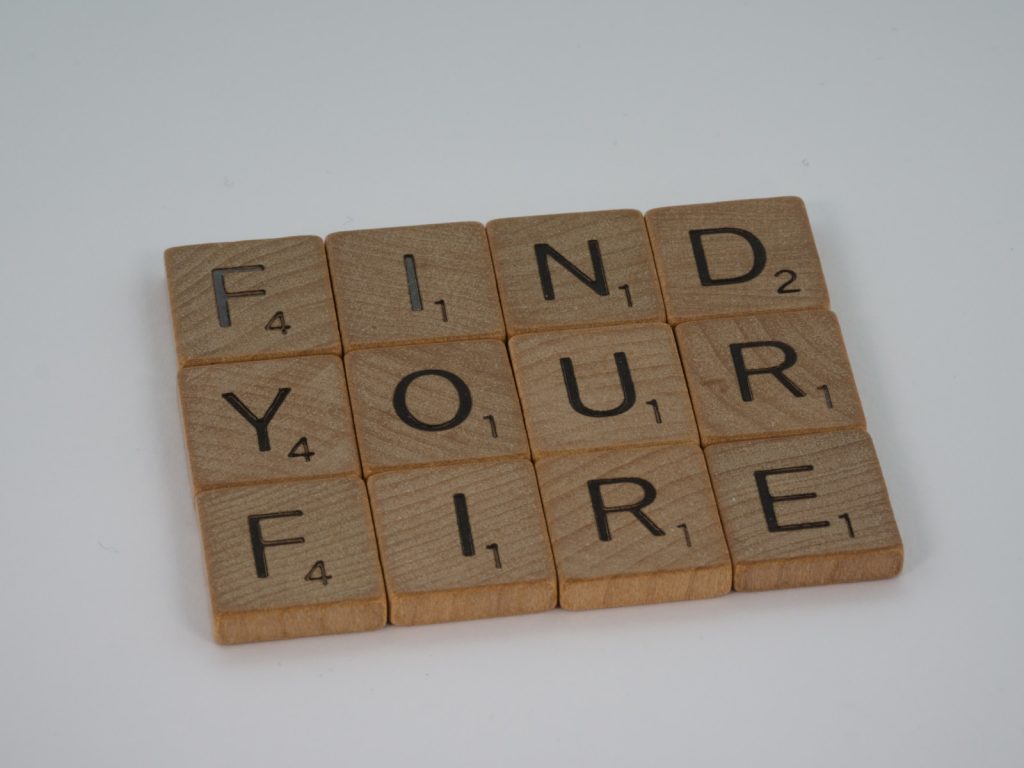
801,511
463,542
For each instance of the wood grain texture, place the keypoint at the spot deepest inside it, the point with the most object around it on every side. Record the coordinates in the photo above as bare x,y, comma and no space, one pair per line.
629,291
652,369
483,421
414,284
682,556
706,272
495,562
291,273
818,392
842,530
321,577
312,421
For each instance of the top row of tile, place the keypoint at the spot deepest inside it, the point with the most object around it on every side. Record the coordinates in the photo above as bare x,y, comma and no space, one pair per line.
441,282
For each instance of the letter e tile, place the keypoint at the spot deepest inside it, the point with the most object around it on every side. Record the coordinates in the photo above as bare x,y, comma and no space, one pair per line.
807,510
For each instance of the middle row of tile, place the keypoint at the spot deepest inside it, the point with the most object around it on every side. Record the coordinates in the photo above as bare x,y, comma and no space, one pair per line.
564,392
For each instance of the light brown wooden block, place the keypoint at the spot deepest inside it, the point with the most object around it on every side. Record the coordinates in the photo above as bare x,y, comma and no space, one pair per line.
768,375
291,559
634,526
601,388
574,270
801,511
251,300
414,284
435,404
463,542
736,258
267,420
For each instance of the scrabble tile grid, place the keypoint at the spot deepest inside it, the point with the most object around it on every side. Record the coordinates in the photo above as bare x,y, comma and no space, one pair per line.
745,558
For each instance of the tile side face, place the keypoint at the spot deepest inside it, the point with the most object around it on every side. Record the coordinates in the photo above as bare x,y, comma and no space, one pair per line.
734,258
406,285
291,559
463,542
805,510
251,300
634,526
769,375
574,270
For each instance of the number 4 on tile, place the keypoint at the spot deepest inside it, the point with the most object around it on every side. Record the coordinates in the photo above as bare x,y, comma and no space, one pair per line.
318,573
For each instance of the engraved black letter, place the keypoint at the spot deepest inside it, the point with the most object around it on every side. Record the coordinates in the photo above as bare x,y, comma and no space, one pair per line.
221,293
696,240
601,511
260,424
768,501
743,373
259,544
572,388
402,408
598,283
465,529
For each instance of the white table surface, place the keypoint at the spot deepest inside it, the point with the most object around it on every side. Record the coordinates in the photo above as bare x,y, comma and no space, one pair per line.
130,127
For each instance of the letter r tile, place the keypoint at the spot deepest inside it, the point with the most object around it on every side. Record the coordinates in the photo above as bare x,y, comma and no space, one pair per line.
251,300
575,270
291,559
434,404
267,420
602,387
634,526
807,510
735,258
768,375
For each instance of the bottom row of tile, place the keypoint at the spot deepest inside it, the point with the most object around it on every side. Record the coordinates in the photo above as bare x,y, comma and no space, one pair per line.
592,530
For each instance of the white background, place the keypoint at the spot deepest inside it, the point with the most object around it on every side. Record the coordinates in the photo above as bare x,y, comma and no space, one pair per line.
127,129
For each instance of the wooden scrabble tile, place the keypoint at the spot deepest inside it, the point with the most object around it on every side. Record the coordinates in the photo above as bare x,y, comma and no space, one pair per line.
251,300
267,420
801,511
575,269
291,559
463,542
634,526
602,387
736,258
435,404
414,284
768,375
